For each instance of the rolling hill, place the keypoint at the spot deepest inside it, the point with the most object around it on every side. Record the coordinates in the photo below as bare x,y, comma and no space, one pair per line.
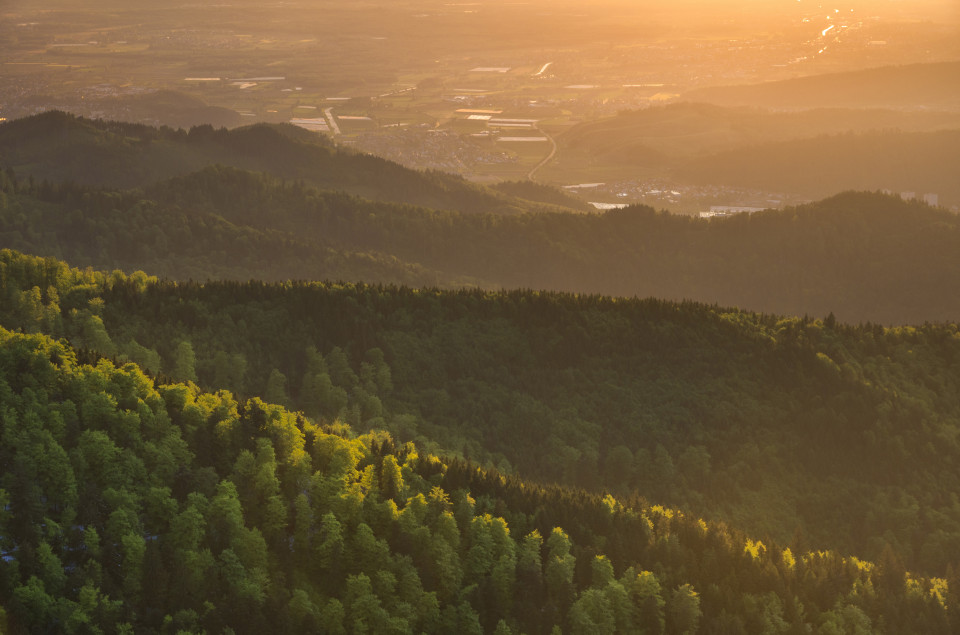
914,86
812,153
687,130
60,147
920,162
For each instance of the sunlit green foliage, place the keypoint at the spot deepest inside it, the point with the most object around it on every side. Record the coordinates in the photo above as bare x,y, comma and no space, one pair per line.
121,515
807,432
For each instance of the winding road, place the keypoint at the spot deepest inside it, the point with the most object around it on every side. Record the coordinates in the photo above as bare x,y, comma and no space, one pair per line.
546,159
542,69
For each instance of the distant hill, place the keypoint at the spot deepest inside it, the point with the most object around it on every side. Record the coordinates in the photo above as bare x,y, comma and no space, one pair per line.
668,134
918,162
928,86
861,256
62,147
166,107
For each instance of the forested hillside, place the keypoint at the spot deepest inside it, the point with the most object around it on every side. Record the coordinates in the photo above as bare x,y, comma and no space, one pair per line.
826,435
60,147
863,257
127,230
263,452
132,506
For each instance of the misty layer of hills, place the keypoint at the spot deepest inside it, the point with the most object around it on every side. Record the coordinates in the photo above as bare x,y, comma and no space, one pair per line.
862,257
252,453
60,147
813,153
919,162
932,85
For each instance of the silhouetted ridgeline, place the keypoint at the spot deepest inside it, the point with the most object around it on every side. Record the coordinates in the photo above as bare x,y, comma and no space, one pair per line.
60,147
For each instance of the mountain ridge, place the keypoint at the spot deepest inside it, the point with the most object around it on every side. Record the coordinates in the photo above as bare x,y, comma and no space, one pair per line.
60,147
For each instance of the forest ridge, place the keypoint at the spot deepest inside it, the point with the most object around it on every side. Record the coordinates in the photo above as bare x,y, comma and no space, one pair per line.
269,518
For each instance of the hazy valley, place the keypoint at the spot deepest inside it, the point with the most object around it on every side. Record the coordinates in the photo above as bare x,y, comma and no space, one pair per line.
485,317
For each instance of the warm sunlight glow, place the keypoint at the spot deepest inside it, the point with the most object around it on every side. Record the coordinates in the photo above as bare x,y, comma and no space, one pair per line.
480,316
